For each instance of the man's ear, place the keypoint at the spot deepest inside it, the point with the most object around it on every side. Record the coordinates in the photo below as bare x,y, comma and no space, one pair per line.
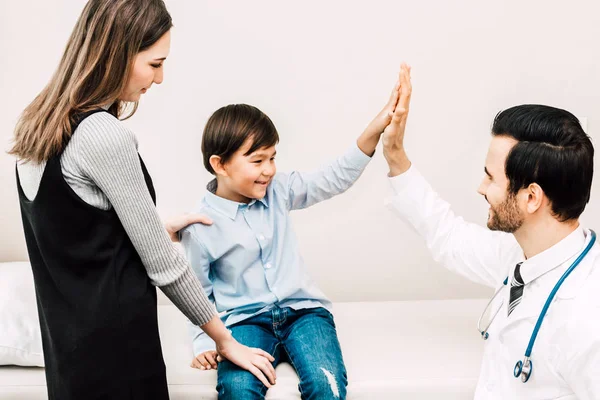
535,198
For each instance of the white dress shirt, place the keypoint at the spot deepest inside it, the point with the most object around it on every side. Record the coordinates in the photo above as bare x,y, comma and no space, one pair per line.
566,354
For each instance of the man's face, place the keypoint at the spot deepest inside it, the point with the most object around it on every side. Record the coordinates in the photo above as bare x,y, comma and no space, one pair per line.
505,214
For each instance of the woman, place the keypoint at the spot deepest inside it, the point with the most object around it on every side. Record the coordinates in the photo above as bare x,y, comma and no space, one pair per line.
95,241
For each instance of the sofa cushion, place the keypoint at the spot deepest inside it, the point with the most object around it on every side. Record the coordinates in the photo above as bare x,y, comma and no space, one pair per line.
20,338
421,350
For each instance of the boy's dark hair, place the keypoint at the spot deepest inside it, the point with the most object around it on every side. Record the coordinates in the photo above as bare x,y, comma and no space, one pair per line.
228,129
553,151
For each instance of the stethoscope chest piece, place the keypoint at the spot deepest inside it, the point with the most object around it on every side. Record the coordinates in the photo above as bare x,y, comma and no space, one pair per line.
523,369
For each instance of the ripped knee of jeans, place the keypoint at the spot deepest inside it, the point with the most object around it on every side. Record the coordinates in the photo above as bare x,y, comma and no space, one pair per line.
335,390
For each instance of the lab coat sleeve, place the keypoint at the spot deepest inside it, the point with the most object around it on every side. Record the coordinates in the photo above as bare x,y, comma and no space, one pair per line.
469,249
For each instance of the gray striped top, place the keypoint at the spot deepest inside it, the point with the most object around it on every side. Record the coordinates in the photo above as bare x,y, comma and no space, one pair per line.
101,164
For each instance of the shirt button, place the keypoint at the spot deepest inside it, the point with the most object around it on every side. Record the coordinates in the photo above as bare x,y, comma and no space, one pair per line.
261,237
268,265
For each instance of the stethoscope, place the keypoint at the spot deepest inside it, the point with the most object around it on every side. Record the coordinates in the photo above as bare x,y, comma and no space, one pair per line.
524,369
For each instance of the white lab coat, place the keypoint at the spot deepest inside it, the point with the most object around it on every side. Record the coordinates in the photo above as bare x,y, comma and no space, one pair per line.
566,354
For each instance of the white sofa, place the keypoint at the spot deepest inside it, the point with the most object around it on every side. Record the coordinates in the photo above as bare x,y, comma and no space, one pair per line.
414,350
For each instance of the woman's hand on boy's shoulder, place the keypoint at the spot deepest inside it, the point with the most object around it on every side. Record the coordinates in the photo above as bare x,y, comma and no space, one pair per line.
174,224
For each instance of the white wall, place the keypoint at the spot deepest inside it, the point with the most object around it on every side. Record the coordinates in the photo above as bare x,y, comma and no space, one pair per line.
322,70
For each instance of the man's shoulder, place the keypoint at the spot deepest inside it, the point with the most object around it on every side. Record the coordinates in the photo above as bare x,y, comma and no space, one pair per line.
582,295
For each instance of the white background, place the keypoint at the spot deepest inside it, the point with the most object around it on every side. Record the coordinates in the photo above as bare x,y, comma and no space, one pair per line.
321,71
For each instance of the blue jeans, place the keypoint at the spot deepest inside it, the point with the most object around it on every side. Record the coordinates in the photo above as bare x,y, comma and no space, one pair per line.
305,338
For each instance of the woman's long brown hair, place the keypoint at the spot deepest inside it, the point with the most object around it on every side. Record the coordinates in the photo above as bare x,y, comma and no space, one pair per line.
92,73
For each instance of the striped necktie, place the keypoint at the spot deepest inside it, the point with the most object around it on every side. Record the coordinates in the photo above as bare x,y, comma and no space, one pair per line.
516,289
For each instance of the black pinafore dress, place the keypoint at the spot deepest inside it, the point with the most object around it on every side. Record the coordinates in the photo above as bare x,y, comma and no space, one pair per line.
96,304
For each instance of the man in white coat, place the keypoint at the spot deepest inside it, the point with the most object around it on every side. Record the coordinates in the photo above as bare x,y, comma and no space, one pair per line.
537,181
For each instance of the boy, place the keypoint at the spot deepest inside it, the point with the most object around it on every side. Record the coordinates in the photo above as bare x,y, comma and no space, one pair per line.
249,262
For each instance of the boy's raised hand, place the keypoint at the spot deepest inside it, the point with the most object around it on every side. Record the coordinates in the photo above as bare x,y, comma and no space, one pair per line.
393,135
384,117
367,142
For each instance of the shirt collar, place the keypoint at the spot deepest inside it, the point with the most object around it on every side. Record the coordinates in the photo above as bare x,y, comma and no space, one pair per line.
224,206
553,257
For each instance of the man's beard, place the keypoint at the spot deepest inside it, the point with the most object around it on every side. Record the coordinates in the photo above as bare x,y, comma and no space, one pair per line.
506,217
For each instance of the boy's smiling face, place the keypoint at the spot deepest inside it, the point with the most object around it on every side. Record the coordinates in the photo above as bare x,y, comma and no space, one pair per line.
244,176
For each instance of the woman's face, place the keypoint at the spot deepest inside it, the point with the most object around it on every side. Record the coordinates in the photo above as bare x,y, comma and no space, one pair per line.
147,69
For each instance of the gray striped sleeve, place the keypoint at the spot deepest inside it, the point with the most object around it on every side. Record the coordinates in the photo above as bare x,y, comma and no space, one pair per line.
106,152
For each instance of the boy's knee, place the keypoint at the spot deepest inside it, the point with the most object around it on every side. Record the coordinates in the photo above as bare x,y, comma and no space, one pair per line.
239,385
326,384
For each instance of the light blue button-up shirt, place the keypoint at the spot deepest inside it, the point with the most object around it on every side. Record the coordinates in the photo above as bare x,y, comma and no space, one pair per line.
248,260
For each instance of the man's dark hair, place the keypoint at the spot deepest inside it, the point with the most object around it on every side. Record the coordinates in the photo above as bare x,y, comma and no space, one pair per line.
553,151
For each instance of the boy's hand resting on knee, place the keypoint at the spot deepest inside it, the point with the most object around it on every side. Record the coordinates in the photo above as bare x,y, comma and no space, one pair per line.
207,360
